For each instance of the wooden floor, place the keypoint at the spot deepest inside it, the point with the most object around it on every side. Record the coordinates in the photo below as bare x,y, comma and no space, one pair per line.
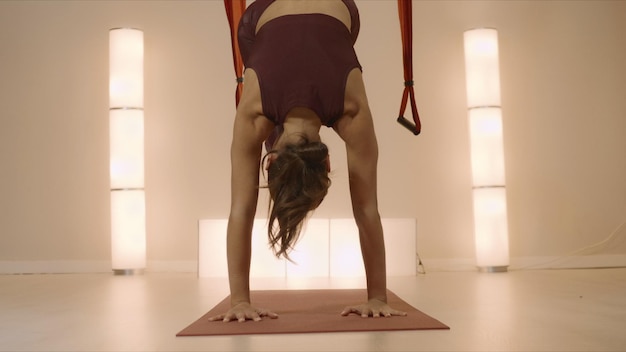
558,310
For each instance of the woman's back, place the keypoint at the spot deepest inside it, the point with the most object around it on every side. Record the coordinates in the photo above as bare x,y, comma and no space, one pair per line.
334,8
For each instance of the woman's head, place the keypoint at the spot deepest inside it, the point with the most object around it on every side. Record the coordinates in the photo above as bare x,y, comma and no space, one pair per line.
298,181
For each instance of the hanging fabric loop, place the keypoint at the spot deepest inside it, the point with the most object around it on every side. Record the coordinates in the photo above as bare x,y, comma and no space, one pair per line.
405,12
234,11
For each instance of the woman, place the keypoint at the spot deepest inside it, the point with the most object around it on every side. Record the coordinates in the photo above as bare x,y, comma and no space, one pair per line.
301,73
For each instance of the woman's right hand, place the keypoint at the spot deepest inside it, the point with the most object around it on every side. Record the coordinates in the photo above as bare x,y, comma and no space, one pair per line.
242,312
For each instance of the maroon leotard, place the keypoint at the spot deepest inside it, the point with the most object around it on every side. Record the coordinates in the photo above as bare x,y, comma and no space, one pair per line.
301,60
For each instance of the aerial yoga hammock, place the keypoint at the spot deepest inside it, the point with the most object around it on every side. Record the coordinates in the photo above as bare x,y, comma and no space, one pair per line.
235,9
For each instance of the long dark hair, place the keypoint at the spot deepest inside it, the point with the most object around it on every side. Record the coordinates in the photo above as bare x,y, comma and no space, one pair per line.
298,181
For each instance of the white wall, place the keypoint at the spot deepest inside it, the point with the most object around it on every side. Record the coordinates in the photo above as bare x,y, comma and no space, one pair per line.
563,88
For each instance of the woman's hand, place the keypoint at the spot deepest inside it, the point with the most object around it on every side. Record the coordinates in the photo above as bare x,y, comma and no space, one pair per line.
373,308
242,312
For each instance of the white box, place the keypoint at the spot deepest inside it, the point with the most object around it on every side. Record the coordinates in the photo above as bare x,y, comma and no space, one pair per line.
327,248
311,253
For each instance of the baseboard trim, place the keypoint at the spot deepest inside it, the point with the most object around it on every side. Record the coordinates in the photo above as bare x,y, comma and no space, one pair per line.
532,263
430,265
570,262
90,266
437,265
172,266
54,267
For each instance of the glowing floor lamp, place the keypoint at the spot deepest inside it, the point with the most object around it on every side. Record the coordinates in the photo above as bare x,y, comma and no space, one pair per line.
126,126
487,150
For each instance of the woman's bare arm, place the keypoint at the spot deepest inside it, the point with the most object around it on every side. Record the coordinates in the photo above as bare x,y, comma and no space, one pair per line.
249,131
245,160
356,128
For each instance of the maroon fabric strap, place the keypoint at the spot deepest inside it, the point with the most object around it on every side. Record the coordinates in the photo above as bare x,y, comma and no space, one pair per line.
234,11
405,12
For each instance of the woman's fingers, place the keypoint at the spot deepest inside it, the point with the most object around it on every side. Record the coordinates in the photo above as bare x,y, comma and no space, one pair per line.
217,317
267,313
241,315
366,311
348,310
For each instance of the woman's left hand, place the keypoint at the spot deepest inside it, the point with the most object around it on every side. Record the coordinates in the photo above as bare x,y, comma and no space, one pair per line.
373,308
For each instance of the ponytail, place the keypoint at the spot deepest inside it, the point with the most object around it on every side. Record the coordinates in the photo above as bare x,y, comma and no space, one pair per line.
298,182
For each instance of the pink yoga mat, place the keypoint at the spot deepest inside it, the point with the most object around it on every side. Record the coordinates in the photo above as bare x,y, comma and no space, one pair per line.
311,311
